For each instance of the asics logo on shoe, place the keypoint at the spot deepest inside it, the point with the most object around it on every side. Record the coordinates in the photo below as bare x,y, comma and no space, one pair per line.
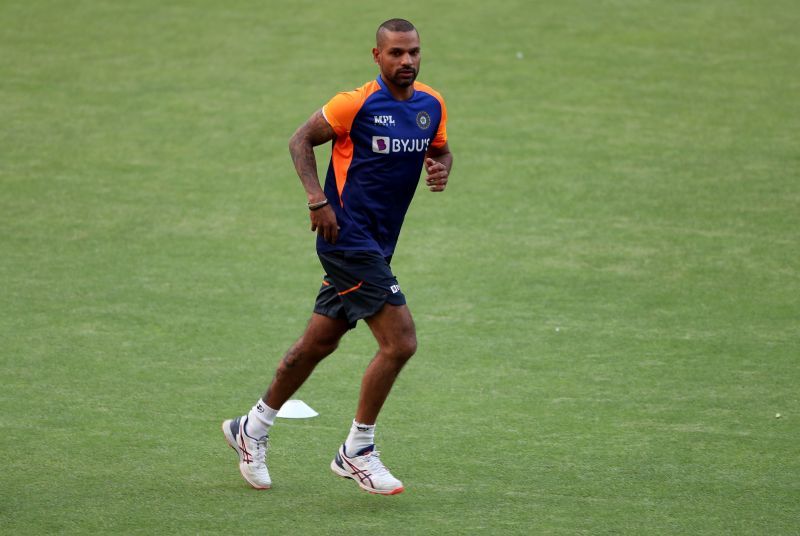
353,470
362,474
252,453
365,468
246,456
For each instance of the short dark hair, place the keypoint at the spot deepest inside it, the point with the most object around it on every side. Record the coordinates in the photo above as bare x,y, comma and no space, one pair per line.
395,25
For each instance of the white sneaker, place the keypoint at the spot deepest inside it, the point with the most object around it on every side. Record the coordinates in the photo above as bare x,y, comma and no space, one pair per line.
252,452
367,470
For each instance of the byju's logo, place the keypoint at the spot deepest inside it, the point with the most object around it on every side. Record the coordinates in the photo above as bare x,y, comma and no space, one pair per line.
386,145
380,144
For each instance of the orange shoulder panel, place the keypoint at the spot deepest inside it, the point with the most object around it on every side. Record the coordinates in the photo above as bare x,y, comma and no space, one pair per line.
340,111
441,133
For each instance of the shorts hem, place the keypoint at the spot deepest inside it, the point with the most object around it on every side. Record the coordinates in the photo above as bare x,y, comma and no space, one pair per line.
324,312
361,315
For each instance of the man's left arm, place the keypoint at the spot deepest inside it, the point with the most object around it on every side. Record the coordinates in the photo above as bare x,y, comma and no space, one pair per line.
438,162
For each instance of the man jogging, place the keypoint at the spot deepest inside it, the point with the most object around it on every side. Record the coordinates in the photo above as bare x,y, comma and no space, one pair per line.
383,134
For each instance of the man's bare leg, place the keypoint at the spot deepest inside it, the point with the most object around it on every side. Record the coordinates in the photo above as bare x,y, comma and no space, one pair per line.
248,434
357,459
318,341
394,330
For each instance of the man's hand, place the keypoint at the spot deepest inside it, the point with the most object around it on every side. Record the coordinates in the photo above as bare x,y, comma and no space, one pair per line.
437,175
323,221
313,132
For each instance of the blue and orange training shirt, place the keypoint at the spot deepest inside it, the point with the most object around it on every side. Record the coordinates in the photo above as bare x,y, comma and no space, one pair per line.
378,152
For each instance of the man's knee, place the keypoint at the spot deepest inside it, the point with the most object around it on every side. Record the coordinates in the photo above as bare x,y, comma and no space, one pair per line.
316,347
321,337
402,347
409,346
394,330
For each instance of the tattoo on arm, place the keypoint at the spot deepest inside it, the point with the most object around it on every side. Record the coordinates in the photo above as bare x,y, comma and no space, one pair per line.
313,132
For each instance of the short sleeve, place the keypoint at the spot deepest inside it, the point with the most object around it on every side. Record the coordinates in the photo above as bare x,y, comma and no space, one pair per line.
341,110
441,133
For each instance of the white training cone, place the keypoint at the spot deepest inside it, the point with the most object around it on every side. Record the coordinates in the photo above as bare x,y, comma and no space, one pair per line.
296,409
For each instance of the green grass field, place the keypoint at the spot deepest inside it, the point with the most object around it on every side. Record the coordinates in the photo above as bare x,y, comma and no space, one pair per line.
607,297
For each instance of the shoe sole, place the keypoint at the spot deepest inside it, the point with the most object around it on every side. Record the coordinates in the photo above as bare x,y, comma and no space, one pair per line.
232,444
338,471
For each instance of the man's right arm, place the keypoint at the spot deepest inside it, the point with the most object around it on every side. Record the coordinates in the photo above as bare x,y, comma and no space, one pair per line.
313,132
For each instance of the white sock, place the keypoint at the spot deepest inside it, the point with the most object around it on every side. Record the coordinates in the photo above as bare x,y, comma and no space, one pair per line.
361,436
260,420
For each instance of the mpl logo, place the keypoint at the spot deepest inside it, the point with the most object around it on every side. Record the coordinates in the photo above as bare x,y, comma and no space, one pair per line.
385,120
380,144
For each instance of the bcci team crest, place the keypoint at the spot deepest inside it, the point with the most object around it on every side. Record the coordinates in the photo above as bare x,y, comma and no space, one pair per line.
423,120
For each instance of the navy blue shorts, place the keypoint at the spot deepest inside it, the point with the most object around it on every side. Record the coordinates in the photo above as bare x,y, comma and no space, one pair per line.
356,285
